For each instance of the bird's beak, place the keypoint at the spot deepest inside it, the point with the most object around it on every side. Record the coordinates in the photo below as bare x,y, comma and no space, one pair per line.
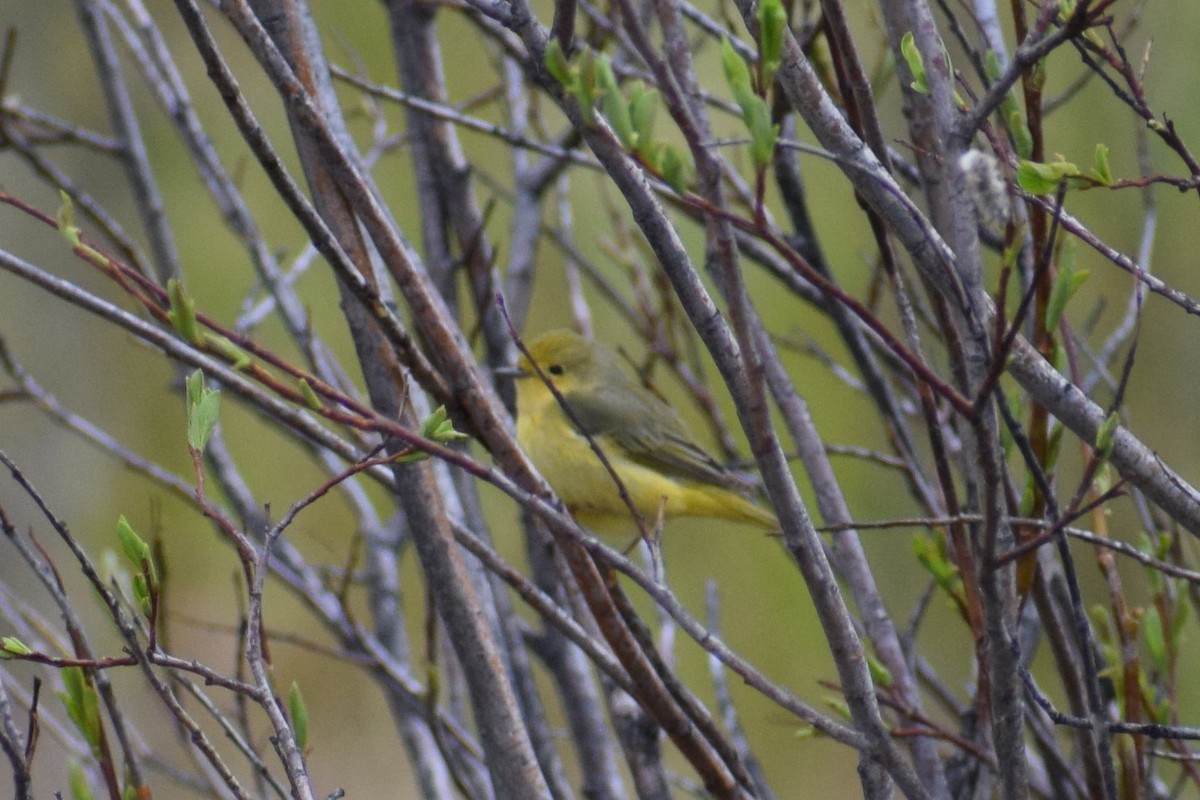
513,372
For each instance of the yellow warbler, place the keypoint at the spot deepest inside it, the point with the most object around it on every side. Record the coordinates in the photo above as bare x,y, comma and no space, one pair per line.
641,435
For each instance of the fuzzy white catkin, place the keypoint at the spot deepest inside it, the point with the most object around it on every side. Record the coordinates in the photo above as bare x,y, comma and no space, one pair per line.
989,192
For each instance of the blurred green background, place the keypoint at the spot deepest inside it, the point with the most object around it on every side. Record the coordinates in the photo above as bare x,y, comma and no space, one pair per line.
126,389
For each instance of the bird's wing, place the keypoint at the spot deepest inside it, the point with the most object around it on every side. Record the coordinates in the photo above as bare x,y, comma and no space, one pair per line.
647,431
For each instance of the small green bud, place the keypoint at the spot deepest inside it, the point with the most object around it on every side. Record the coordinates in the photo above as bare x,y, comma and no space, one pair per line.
311,398
1037,178
66,219
135,547
615,108
298,711
225,348
1101,170
12,646
674,167
182,312
438,427
1106,434
916,64
643,106
772,27
556,63
203,411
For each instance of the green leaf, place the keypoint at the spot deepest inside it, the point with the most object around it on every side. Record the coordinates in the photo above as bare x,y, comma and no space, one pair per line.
1054,443
225,348
931,553
1149,547
737,74
763,133
182,312
880,674
203,411
578,77
80,790
298,711
1010,110
72,678
141,593
1103,482
1101,171
916,64
437,426
82,705
136,549
311,398
1101,623
1022,138
615,107
755,112
1058,359
1029,496
643,106
1104,436
991,66
1037,178
12,646
674,167
772,27
556,63
1066,283
1179,617
583,87
446,433
606,79
839,705
66,219
436,418
1038,79
1156,643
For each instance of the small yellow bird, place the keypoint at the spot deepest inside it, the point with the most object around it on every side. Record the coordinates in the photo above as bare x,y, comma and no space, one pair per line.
641,435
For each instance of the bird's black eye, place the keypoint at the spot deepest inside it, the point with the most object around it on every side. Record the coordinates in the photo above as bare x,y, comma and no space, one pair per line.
555,369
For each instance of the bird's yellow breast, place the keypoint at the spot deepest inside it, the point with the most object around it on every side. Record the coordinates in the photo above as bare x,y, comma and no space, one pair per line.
563,455
580,479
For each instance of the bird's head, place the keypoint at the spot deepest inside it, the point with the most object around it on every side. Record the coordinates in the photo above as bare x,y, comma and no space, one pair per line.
567,359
